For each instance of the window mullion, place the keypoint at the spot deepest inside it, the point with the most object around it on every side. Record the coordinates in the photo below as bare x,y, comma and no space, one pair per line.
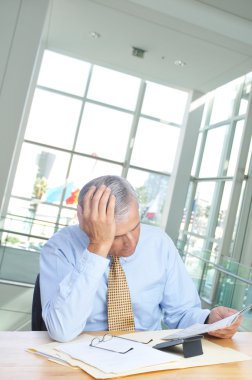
134,126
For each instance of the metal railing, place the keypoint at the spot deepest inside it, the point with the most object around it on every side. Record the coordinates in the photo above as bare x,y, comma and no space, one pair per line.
221,281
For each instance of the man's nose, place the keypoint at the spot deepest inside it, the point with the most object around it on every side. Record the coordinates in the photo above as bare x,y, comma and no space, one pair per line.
129,239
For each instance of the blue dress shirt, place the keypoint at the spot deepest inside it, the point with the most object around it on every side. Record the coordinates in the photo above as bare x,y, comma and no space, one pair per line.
74,281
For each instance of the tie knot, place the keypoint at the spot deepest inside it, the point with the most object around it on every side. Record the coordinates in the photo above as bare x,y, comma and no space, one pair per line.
116,260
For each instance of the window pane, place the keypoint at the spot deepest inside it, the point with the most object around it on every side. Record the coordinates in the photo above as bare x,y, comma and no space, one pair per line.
238,219
84,169
21,242
188,213
164,103
208,282
45,217
222,213
224,101
53,119
114,88
194,244
27,219
235,147
68,217
40,173
63,73
104,132
245,95
17,207
195,268
19,218
152,191
243,105
212,152
202,204
155,145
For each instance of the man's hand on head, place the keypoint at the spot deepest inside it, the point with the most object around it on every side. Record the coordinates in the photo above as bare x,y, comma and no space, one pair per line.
97,219
221,312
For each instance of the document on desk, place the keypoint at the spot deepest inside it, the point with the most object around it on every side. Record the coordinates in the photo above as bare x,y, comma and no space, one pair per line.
198,328
129,355
212,354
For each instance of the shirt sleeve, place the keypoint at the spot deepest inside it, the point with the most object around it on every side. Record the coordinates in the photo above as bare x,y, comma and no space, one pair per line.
68,289
181,303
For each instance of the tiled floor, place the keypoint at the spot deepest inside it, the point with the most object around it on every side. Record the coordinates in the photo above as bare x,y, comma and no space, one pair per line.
15,307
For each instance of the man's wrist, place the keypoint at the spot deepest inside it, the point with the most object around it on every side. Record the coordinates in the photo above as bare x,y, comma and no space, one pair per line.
99,249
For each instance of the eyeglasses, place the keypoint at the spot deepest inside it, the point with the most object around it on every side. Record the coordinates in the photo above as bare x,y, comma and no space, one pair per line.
107,337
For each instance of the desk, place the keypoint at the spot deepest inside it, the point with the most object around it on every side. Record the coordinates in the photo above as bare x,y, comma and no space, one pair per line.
16,363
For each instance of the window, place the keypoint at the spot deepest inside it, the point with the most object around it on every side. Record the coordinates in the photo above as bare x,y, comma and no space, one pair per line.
114,88
104,132
214,213
63,73
53,119
164,103
155,145
83,123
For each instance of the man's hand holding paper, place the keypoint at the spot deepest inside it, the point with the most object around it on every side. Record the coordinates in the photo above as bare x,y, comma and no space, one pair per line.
219,313
222,323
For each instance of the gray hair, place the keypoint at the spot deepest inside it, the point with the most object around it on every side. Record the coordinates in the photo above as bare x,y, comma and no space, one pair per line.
120,188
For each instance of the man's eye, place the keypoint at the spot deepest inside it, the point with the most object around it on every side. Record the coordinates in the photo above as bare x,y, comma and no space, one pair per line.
118,237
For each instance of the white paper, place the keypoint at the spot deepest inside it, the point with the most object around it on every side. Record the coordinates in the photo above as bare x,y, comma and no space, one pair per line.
112,362
198,328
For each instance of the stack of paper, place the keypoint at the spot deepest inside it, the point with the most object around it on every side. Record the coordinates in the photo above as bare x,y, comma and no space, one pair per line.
78,354
138,356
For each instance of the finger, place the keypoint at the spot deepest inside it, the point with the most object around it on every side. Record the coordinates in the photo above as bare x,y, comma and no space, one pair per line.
227,335
216,334
231,311
239,320
96,200
103,203
111,208
226,332
221,333
87,199
235,324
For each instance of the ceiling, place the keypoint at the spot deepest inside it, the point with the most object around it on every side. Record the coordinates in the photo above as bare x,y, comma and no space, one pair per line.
212,37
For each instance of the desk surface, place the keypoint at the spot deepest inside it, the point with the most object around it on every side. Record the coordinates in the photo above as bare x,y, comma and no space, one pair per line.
16,363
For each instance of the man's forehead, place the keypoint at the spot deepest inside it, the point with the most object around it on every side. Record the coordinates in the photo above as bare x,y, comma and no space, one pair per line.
129,223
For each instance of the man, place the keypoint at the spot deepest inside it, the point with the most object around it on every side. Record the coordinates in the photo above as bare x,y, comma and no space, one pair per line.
74,268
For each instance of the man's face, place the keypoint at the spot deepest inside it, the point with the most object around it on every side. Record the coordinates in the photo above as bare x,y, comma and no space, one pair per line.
127,234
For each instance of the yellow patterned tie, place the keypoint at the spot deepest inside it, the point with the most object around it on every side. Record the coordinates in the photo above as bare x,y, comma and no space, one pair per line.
120,314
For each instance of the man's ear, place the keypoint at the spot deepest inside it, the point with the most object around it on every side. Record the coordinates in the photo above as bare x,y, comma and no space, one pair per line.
79,213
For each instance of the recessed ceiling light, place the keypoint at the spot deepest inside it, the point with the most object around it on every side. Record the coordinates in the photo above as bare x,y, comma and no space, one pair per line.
179,63
94,35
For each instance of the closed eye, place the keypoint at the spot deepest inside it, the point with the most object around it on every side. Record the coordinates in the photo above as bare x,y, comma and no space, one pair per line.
133,229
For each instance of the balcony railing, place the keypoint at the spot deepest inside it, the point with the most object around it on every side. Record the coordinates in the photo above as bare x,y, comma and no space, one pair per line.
221,281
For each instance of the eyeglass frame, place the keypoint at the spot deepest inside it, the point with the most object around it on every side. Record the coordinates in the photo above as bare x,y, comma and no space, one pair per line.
103,339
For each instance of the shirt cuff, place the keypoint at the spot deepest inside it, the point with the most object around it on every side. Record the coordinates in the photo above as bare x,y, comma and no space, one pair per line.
92,263
204,316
